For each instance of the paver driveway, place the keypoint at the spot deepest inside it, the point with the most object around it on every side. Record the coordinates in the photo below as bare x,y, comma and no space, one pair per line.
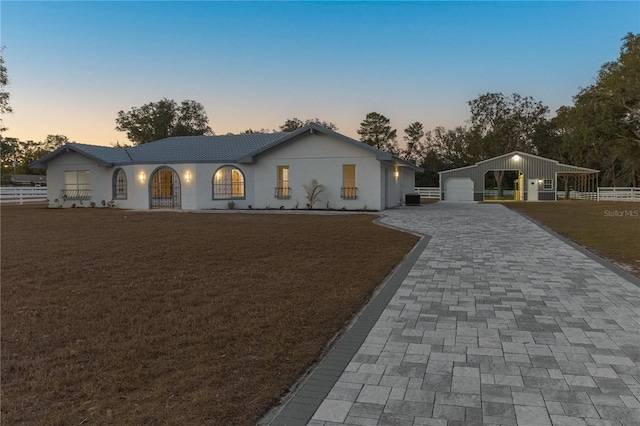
498,322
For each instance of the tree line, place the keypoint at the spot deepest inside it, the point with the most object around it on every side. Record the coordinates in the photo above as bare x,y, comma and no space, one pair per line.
601,130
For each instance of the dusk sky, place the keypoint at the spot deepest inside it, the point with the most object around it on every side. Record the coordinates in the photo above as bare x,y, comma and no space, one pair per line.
73,65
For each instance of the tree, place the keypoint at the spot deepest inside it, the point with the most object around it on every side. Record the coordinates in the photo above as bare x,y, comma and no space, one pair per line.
415,150
502,124
4,95
432,163
602,128
118,144
163,119
191,120
253,131
30,151
9,149
617,93
53,142
450,146
376,131
293,124
17,154
618,84
443,149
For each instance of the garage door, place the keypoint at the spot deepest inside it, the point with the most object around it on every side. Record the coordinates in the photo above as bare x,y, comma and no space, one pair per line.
458,189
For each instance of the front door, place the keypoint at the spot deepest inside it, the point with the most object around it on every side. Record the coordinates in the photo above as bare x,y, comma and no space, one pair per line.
165,189
532,189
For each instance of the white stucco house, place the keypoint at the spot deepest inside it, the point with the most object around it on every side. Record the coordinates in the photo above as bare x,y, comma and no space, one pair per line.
254,171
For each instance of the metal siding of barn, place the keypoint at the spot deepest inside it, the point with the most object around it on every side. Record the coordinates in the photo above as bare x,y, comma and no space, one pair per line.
546,196
533,168
463,172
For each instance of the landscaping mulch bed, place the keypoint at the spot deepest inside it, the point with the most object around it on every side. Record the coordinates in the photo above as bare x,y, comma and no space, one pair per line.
610,229
122,317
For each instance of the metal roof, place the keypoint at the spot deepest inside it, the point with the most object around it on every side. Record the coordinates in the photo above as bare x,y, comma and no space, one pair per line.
561,168
205,149
29,178
198,149
103,155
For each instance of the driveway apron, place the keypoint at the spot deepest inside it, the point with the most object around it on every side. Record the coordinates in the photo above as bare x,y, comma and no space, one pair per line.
498,322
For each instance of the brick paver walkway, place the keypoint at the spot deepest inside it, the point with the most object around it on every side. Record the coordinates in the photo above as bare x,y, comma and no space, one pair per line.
498,322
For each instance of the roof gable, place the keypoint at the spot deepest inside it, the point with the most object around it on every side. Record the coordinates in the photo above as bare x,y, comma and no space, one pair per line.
313,128
103,155
520,153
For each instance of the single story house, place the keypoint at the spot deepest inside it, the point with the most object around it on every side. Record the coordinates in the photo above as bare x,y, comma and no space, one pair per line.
233,171
537,178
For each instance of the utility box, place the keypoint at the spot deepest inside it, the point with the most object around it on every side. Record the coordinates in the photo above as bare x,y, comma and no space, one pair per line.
412,199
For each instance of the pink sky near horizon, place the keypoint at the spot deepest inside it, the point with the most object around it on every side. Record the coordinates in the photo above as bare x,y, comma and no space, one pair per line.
73,65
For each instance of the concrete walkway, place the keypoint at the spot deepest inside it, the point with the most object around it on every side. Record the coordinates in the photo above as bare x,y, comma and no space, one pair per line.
498,322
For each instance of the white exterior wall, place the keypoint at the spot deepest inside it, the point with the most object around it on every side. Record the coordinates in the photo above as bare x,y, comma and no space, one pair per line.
195,194
319,157
407,183
315,156
396,186
137,191
100,178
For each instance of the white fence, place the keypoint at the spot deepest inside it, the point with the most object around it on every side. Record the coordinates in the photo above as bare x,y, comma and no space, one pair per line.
22,194
605,194
428,192
578,195
618,194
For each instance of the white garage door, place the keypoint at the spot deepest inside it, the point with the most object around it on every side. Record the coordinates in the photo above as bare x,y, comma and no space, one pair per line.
458,189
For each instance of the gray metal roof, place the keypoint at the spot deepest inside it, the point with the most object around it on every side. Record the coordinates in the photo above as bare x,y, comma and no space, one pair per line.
561,168
103,155
29,178
180,149
198,149
205,149
565,168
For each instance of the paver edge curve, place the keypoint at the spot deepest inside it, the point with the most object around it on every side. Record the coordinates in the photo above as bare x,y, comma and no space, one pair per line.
307,396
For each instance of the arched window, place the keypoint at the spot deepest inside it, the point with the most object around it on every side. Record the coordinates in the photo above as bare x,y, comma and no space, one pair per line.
119,185
228,183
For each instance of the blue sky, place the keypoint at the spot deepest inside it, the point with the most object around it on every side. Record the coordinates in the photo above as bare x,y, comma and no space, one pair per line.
73,65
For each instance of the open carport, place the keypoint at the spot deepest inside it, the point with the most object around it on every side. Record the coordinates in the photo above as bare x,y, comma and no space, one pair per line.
537,178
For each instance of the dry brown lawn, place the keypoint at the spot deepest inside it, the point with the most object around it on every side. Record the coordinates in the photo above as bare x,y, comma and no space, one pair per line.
132,318
610,229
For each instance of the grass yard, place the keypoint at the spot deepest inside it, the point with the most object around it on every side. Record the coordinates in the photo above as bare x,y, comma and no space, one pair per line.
610,229
122,317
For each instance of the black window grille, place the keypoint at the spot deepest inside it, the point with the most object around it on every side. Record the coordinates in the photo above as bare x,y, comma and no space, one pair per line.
120,185
228,183
75,194
283,192
349,193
